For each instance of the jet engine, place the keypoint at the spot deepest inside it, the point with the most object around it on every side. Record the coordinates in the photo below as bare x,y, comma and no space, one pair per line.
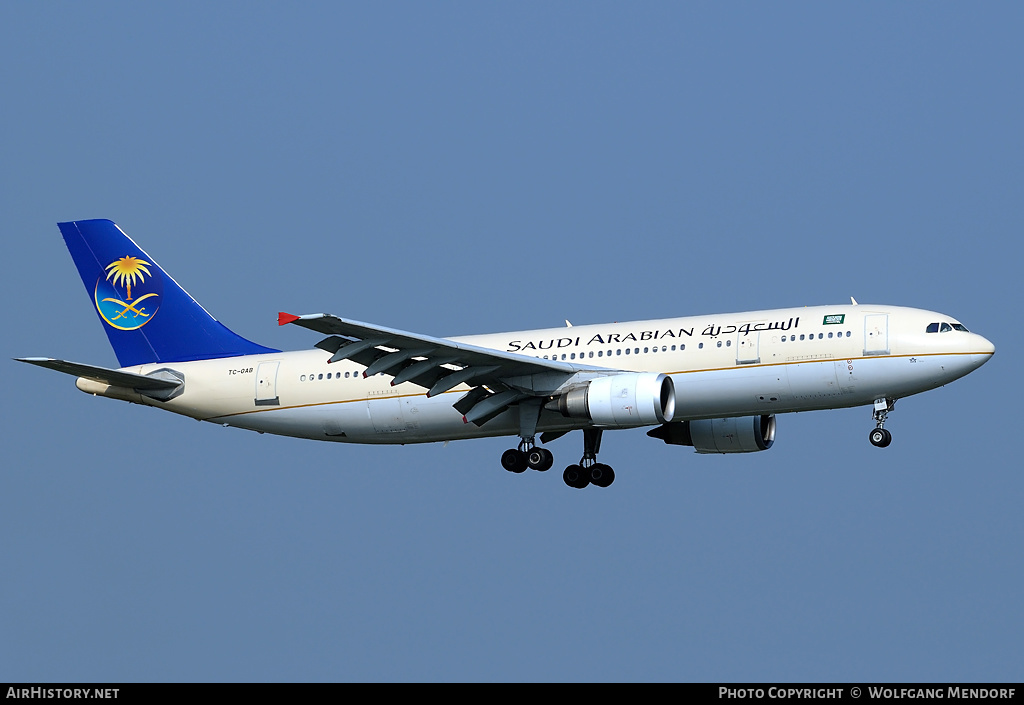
626,400
743,434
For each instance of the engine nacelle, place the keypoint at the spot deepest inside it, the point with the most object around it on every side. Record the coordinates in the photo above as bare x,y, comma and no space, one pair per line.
626,400
743,434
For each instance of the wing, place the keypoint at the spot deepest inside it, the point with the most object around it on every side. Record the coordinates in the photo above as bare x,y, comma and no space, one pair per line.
498,379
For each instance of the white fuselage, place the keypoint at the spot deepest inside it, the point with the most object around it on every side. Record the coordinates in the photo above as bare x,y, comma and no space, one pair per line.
722,365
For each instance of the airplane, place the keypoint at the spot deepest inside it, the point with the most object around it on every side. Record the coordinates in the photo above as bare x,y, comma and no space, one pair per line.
713,382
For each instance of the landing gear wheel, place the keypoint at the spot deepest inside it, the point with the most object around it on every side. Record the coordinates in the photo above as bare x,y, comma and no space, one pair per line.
880,438
575,477
601,475
540,459
514,460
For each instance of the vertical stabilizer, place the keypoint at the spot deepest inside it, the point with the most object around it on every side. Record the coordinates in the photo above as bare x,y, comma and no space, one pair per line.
147,316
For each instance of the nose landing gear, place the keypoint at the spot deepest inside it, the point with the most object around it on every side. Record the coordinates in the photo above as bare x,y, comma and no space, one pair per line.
879,436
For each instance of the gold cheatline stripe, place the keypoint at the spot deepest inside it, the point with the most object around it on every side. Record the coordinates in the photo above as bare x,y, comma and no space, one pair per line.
825,359
326,403
678,372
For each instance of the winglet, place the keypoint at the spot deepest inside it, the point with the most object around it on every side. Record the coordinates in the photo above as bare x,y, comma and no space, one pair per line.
286,318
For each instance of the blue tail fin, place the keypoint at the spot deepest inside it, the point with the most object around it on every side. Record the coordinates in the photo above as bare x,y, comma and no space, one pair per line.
146,315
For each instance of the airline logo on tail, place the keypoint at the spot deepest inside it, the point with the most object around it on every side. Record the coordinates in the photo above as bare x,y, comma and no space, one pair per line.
129,296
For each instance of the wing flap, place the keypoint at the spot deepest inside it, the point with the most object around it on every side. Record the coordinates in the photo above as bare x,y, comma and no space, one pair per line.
369,336
498,379
366,344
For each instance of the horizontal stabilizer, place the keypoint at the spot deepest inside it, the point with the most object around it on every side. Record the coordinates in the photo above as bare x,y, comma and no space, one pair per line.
115,378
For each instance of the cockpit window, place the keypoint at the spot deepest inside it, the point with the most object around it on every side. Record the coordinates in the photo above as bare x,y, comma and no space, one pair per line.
944,328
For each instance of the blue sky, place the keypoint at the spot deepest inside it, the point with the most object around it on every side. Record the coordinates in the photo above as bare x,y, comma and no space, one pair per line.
457,168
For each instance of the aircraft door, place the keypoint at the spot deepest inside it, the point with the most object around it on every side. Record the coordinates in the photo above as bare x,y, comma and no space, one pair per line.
386,414
876,334
748,348
266,384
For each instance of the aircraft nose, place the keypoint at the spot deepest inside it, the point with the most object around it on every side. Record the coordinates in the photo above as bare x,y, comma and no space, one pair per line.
985,349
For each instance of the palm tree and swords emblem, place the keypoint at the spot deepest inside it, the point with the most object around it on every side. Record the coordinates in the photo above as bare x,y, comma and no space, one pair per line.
122,311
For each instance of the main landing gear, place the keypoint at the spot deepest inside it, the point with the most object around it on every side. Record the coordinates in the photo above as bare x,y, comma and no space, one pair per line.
527,456
879,436
589,471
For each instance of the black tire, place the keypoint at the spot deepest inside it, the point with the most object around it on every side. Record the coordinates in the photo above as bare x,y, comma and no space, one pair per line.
601,475
540,459
514,460
880,437
575,477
